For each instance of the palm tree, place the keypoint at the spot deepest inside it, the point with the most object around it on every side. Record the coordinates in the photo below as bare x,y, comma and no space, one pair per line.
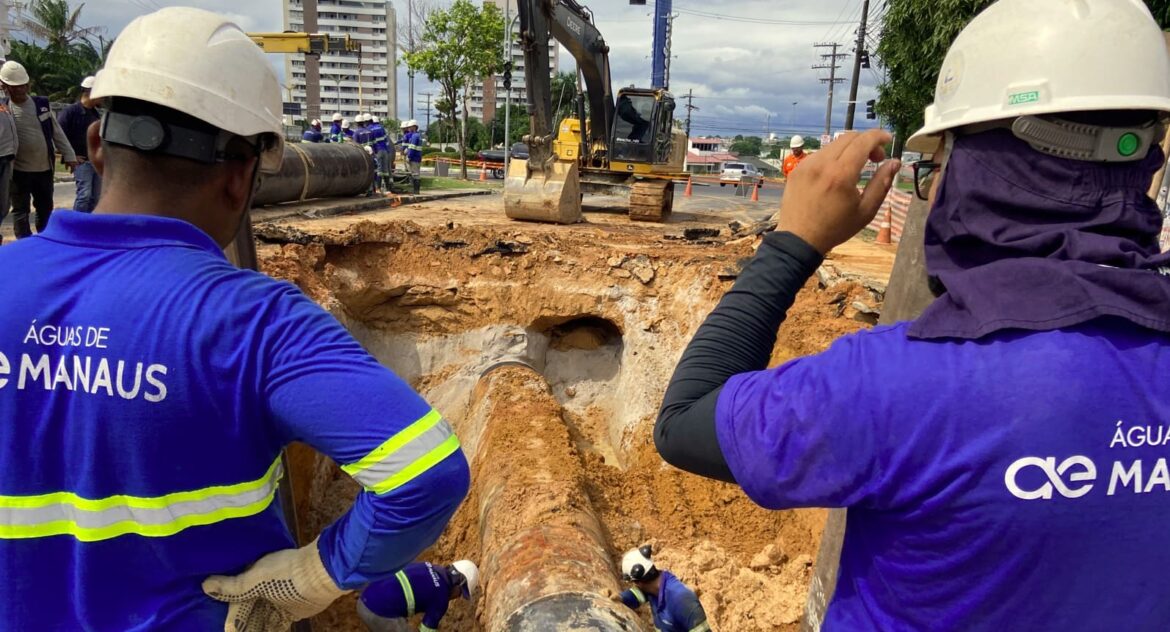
53,22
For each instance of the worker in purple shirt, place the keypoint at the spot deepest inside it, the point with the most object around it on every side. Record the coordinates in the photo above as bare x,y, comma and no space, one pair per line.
674,606
1002,457
75,121
387,605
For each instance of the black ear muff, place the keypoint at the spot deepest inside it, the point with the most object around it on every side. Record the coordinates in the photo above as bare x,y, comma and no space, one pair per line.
637,572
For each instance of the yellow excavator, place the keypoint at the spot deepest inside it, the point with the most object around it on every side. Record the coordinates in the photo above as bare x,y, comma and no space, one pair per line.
626,146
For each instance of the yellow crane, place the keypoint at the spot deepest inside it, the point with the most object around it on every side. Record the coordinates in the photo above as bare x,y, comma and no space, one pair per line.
313,44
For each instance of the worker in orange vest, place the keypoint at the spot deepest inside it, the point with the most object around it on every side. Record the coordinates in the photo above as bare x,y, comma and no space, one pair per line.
797,155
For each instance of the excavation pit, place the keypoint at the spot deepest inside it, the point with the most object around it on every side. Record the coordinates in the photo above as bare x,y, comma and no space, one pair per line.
600,315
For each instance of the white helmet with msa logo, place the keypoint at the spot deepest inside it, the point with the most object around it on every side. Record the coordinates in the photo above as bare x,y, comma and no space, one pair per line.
1030,58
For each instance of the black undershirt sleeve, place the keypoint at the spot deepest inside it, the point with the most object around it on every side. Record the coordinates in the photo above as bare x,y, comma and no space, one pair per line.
737,337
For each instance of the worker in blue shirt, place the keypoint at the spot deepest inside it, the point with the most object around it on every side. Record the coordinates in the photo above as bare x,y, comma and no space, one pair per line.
1003,455
313,134
335,135
382,155
75,121
674,606
148,386
412,152
346,131
388,605
363,134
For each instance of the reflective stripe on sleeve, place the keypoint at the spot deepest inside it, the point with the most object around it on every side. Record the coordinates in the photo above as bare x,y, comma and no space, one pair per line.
407,592
702,627
406,455
639,595
90,520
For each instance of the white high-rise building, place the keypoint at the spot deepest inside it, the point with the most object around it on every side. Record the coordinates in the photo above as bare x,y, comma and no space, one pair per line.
332,82
489,96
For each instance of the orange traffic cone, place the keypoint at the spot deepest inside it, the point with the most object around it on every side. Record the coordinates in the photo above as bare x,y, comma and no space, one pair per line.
756,192
688,192
883,236
483,171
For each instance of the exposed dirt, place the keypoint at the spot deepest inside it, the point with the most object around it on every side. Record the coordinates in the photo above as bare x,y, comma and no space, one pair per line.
603,310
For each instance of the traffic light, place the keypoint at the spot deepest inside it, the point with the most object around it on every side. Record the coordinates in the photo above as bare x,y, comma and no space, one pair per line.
639,2
869,105
865,59
508,75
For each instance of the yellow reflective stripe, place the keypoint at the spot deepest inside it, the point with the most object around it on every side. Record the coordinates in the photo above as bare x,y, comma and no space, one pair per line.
702,627
90,520
393,444
639,595
407,592
423,628
428,460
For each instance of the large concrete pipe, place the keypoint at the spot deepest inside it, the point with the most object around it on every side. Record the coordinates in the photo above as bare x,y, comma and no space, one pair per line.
317,170
545,563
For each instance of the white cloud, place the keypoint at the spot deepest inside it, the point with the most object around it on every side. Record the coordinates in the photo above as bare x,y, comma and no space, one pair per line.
740,71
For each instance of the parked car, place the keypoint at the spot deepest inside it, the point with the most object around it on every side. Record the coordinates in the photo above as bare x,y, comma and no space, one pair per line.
519,150
733,171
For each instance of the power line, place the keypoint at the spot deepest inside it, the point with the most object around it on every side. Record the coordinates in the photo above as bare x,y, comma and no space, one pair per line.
833,80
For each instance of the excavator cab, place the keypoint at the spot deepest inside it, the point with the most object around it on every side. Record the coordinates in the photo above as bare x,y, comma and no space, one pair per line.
642,130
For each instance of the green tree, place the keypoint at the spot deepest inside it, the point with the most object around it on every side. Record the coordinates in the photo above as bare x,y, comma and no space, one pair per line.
519,126
62,52
460,46
564,94
57,24
747,145
915,37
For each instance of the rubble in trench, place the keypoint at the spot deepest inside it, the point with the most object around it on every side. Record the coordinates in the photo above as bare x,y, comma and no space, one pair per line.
603,315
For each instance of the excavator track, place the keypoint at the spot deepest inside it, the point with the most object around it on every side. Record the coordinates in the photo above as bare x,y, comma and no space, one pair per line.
651,200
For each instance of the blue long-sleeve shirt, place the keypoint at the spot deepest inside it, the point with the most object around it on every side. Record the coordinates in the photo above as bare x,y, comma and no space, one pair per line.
412,146
147,388
420,587
75,121
335,133
380,138
675,607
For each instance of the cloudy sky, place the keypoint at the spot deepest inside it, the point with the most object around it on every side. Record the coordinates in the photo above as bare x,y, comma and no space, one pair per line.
747,61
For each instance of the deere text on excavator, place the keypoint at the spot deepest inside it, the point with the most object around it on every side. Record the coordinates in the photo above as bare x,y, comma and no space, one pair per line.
623,147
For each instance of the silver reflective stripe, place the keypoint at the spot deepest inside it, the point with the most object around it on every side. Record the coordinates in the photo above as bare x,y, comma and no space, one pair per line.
398,460
66,513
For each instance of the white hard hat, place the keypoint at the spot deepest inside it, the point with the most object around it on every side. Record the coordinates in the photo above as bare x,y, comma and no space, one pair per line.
470,572
87,83
637,565
1029,57
12,73
315,123
337,116
797,142
201,64
344,123
360,118
410,123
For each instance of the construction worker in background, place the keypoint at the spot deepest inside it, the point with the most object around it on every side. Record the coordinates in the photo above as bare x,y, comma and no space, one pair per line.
346,131
363,135
674,606
137,482
335,132
7,151
412,152
382,155
1012,436
313,134
797,155
387,605
75,121
39,137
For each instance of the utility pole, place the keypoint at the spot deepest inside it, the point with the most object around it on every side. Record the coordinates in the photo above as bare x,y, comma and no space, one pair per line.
690,108
833,80
410,44
857,56
428,95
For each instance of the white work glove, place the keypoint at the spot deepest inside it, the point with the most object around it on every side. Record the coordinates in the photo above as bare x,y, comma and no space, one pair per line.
278,589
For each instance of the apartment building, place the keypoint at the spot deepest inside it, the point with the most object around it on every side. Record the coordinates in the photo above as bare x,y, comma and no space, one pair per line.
489,96
340,82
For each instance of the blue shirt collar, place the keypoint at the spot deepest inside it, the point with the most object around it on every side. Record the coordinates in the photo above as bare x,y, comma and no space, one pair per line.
121,232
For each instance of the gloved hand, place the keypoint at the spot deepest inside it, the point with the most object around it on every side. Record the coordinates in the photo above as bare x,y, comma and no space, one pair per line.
278,589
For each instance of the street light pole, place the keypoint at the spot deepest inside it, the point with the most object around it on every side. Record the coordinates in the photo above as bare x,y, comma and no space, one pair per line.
508,89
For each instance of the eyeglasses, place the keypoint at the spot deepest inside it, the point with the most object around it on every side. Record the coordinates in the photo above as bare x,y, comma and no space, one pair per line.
923,170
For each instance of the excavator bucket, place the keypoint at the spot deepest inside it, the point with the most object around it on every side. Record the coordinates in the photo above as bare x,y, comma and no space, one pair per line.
552,196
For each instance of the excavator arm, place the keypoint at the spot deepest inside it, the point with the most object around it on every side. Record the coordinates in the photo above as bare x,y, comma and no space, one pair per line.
571,24
308,43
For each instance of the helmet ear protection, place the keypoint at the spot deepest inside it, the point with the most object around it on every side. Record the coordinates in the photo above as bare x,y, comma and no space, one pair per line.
642,570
